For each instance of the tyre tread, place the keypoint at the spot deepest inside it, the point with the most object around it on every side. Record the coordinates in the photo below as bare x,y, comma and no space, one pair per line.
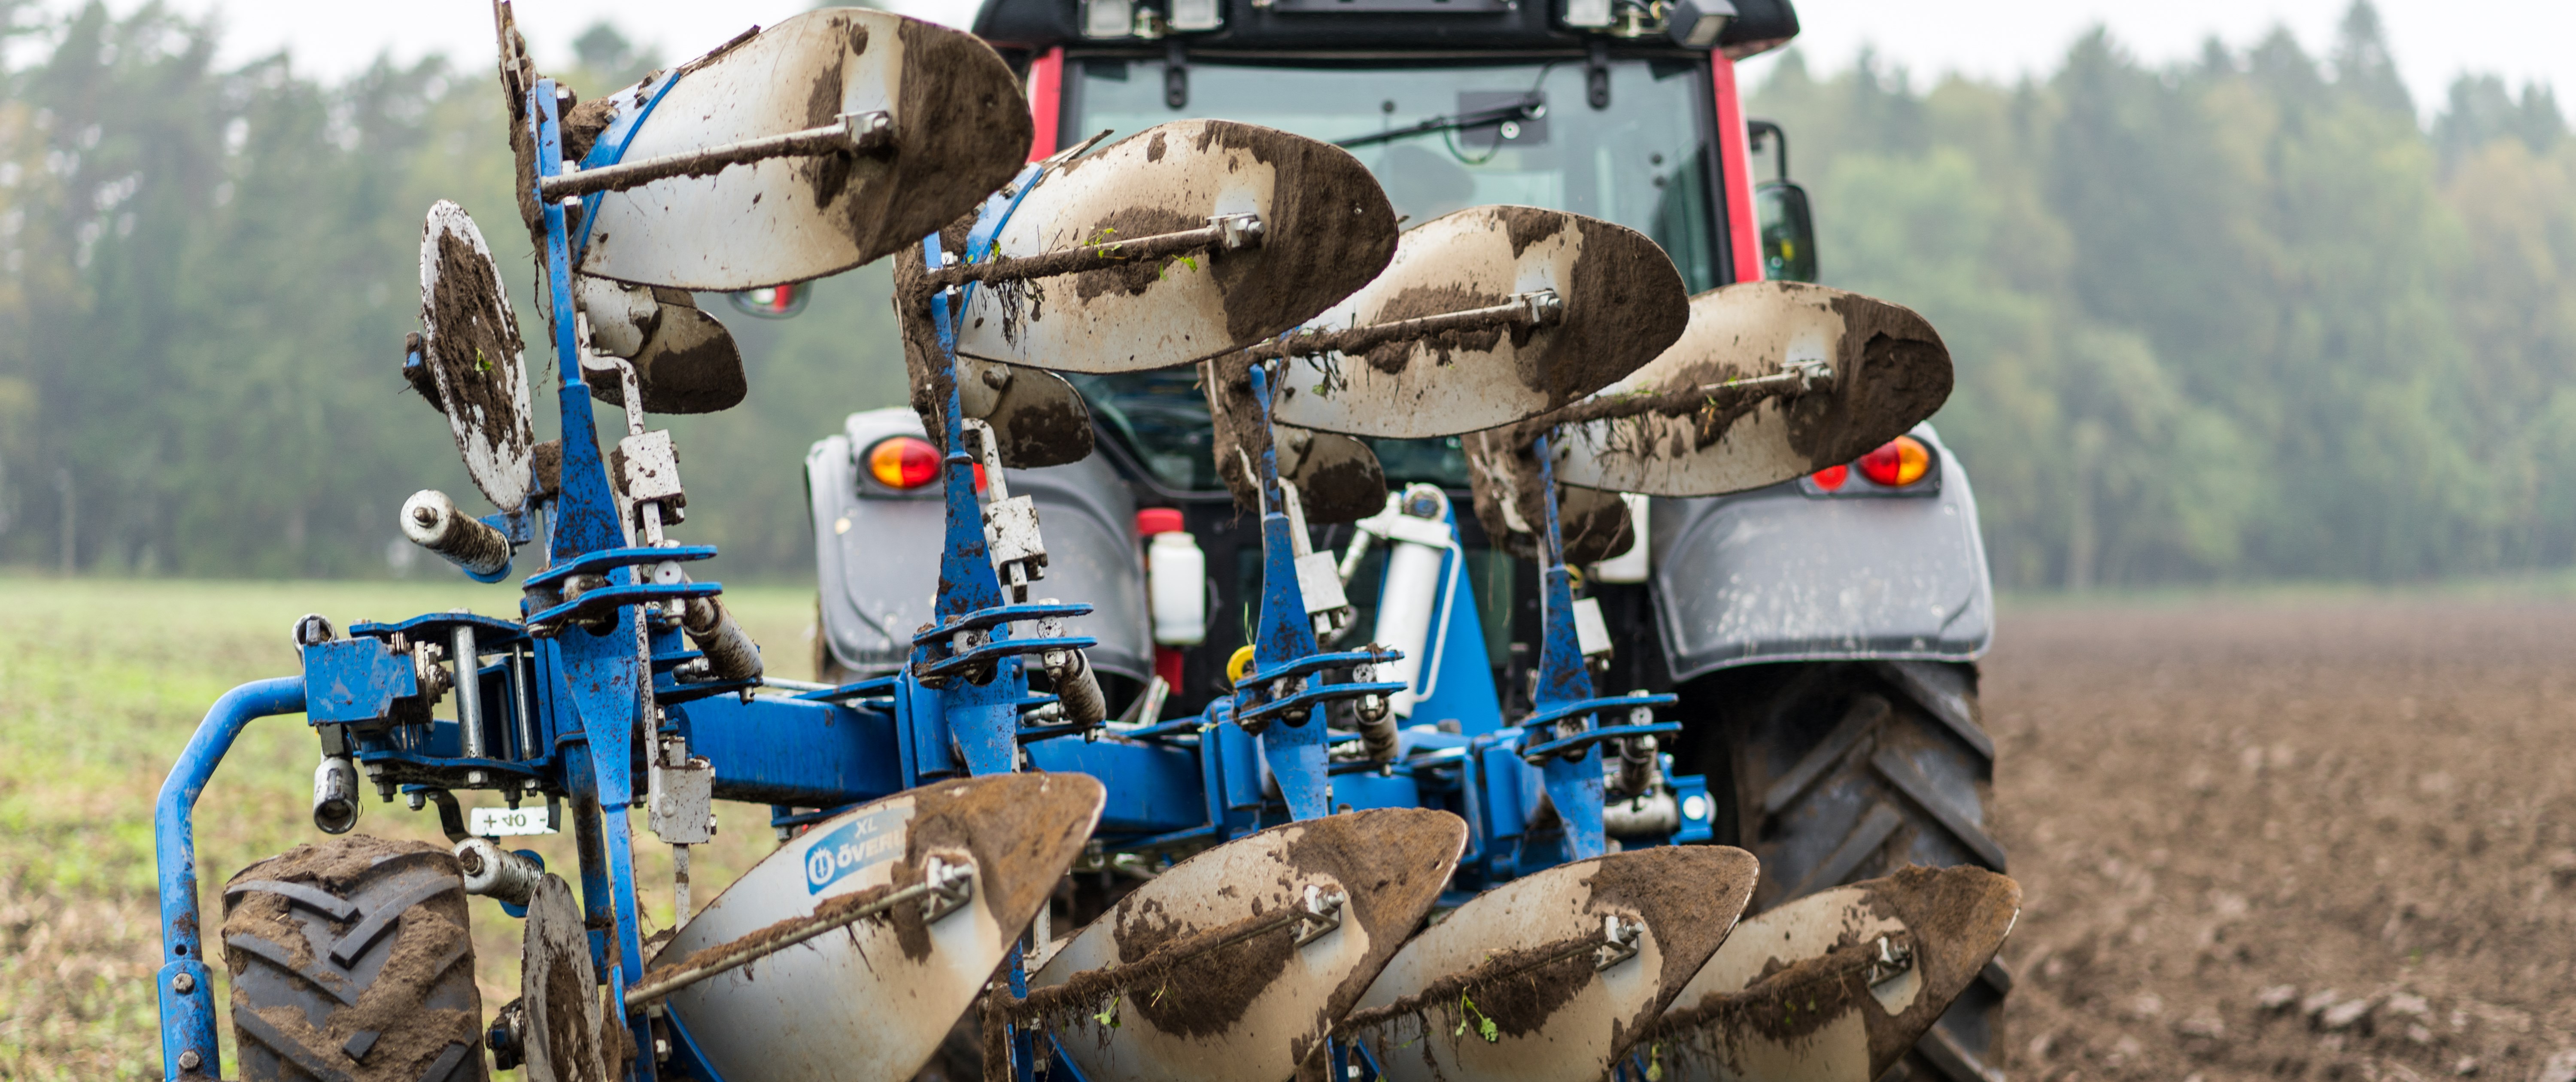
337,922
1890,755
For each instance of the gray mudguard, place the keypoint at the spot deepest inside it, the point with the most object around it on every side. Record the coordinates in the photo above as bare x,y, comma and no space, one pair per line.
1776,574
877,551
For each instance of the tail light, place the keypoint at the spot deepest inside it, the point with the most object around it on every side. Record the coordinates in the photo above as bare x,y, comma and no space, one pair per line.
1903,466
1897,463
774,302
903,462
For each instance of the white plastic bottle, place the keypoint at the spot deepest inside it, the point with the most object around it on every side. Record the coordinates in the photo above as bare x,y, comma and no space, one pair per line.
1175,578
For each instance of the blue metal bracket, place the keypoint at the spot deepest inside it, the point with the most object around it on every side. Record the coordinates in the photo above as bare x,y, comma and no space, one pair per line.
606,674
602,562
356,680
1284,648
606,599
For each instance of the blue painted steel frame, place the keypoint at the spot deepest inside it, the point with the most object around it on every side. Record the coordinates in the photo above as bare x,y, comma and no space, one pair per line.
186,989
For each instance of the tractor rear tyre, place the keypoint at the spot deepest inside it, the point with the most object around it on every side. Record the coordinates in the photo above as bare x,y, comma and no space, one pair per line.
1841,771
350,961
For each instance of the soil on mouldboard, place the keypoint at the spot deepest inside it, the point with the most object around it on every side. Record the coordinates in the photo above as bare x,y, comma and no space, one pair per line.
473,344
2329,840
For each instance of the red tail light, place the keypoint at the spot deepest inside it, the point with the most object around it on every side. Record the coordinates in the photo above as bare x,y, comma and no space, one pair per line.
1896,464
1831,478
905,462
774,302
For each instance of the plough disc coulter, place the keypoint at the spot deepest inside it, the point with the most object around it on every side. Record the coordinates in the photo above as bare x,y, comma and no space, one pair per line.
474,357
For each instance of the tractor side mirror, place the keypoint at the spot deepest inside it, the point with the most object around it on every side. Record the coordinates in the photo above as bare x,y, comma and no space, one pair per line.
1788,232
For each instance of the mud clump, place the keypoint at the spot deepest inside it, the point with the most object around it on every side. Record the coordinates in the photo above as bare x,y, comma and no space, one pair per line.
1123,277
1690,903
1334,208
963,129
1504,481
1525,986
829,174
1415,302
473,352
1789,1003
1210,993
1891,368
582,125
1625,303
1338,477
472,335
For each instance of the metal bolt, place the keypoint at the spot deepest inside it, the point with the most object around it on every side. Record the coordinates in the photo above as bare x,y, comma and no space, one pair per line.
424,514
190,1060
183,983
419,800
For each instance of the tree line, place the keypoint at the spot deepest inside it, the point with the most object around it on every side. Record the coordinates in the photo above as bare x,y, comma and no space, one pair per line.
205,280
2243,317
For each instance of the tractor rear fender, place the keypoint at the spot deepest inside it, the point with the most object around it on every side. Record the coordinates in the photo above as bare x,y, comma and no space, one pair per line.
877,552
1789,573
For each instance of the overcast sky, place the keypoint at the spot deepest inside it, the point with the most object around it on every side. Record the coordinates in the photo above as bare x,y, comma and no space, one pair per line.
2434,40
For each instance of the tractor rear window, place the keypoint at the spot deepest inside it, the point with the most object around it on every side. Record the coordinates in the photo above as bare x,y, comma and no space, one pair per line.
1642,163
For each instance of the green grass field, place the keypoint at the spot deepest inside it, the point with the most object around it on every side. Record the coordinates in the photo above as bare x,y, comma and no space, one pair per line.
101,683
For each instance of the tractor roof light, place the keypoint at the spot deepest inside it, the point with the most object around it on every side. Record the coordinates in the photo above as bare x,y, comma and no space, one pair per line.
1194,16
903,463
1897,463
1696,24
1108,18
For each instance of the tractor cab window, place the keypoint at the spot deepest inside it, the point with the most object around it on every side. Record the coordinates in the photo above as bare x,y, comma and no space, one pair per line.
1439,138
1642,162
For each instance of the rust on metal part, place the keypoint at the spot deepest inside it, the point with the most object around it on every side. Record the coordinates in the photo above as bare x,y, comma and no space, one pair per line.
1257,1007
1713,415
1837,985
1617,302
1519,963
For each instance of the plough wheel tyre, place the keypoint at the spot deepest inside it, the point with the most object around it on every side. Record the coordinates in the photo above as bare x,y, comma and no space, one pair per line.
1844,771
350,960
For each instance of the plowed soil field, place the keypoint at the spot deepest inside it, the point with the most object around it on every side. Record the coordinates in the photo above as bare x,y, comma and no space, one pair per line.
2321,839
